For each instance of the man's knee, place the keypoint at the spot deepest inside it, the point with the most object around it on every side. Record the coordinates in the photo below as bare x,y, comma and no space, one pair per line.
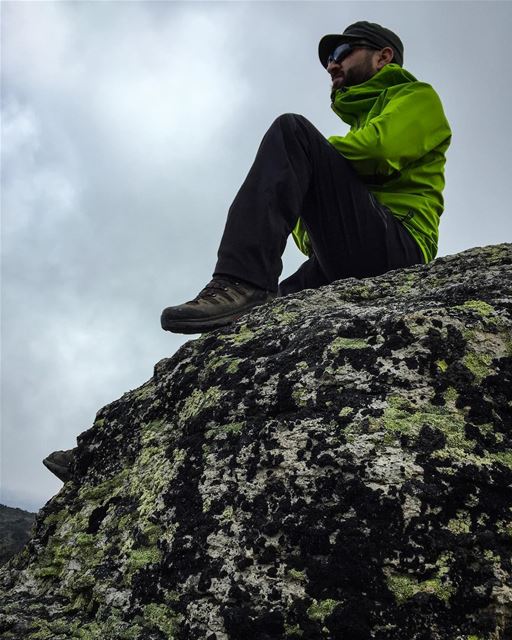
291,120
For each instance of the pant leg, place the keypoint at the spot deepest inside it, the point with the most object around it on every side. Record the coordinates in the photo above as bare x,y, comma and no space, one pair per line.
308,276
266,208
297,172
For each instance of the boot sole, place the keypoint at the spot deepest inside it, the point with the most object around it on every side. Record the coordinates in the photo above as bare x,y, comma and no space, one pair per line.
62,473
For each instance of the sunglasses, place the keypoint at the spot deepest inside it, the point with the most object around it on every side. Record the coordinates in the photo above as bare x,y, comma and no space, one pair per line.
345,49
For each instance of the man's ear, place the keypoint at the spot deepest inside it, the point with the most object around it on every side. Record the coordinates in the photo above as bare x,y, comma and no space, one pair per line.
386,56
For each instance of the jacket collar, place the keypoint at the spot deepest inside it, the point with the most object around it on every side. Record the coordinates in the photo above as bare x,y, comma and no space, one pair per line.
351,103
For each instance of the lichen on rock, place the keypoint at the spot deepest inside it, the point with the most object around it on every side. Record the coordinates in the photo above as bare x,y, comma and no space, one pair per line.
336,464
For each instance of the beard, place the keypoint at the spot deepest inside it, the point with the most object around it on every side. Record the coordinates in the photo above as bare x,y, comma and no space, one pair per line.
359,74
355,75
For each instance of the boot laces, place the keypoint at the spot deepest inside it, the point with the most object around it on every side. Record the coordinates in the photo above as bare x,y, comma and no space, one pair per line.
221,288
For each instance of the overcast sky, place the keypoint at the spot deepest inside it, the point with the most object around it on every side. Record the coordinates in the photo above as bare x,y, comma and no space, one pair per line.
127,128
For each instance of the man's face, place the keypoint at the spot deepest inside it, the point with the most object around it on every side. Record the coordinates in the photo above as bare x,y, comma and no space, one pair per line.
358,67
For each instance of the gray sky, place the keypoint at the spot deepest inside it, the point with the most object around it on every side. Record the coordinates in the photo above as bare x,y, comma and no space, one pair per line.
127,128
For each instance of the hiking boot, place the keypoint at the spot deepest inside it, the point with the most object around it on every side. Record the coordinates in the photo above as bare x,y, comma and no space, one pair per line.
221,302
60,463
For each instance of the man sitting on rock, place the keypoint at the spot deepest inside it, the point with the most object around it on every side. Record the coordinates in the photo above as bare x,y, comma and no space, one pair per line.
358,205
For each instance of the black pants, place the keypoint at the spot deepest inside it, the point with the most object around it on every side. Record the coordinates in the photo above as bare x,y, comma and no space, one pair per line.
298,173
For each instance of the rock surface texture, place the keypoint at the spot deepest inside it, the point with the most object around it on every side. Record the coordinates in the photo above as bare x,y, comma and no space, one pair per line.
336,465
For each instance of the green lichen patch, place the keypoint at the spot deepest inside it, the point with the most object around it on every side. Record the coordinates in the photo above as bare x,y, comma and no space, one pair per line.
405,586
294,574
57,517
339,343
227,363
408,284
153,471
70,551
442,365
502,457
479,364
228,514
241,336
293,630
161,617
319,610
484,309
199,401
284,317
402,417
112,627
99,423
142,557
234,364
102,491
505,527
207,504
450,396
145,391
151,432
223,430
461,523
300,396
360,291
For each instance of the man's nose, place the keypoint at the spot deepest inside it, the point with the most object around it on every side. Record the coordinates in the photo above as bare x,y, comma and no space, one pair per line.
332,66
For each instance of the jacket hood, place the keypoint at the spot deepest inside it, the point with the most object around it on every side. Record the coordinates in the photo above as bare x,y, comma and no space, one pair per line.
351,102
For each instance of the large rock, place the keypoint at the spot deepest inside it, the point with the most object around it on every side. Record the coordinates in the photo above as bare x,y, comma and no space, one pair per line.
337,464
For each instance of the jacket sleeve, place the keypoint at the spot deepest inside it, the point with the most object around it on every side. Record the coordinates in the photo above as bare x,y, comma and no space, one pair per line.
411,124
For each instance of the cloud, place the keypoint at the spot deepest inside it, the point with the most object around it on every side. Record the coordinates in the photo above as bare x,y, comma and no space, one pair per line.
36,194
109,124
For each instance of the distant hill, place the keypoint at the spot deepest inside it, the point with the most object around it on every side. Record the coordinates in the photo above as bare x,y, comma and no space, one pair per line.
15,526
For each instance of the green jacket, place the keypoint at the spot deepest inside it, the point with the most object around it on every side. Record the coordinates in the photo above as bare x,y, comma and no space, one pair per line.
397,144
